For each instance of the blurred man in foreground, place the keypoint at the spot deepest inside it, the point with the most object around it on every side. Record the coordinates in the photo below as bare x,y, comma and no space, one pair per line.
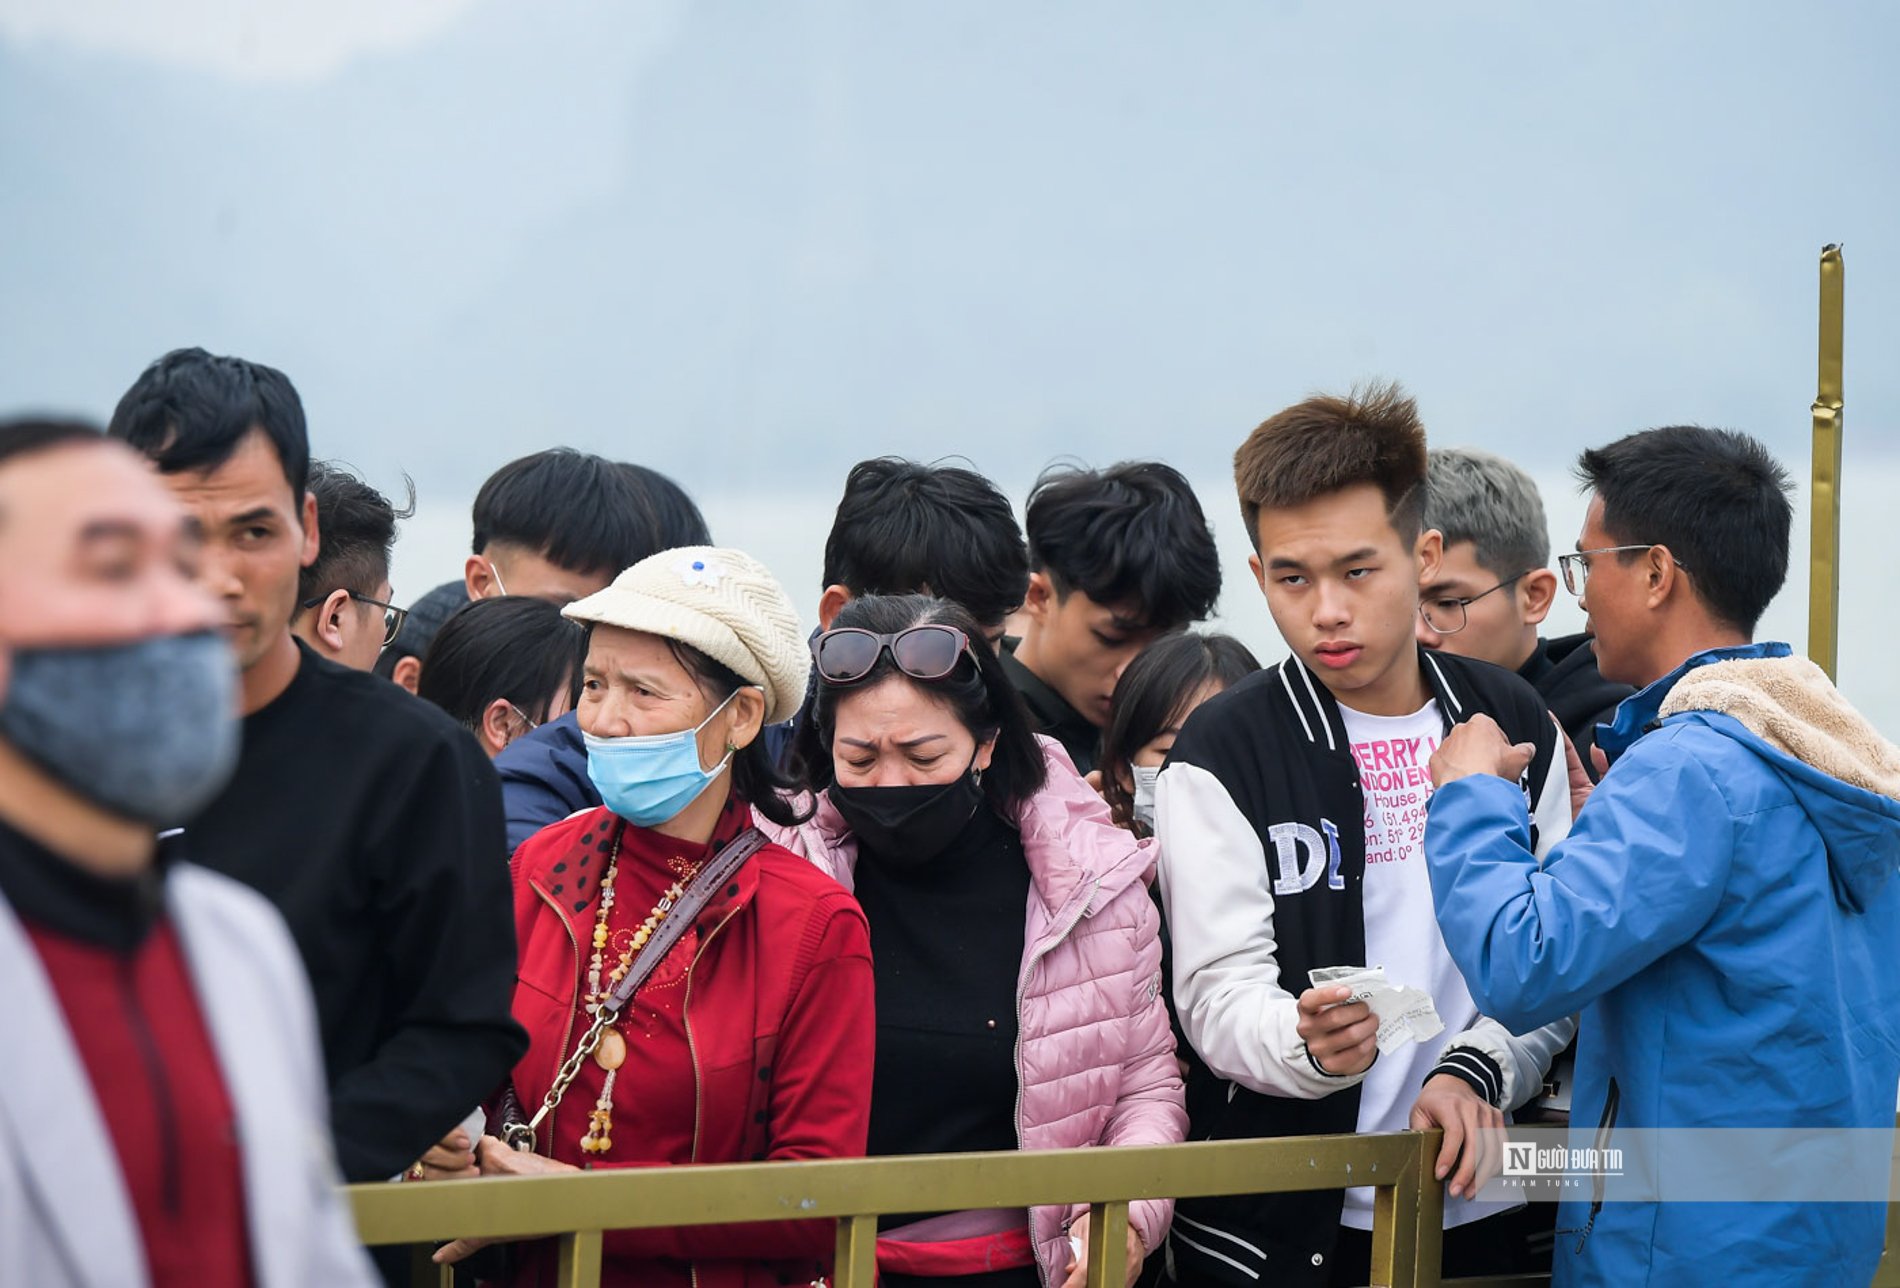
162,1117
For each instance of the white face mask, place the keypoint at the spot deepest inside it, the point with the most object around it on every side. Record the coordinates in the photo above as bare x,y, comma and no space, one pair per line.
1145,778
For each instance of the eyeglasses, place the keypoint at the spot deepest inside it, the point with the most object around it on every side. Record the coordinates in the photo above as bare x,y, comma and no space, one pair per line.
1576,566
929,652
393,617
1446,614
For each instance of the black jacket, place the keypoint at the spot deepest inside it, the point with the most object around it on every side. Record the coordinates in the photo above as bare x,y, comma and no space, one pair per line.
374,823
1052,713
1564,673
1277,784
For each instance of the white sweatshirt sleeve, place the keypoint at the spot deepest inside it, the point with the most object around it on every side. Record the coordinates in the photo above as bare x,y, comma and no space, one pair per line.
1227,990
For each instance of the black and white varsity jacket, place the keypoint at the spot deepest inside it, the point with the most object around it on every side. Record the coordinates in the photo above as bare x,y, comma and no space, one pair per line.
1260,818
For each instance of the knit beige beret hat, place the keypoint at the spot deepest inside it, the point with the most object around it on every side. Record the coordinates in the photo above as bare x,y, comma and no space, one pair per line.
722,602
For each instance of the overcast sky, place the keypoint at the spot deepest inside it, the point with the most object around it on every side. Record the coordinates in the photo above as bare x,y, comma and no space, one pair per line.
749,244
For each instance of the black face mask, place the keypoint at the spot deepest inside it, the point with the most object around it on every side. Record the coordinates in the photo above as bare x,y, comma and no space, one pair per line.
907,827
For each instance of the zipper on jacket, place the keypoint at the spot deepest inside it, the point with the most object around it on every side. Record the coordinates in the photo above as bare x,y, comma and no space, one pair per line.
1611,1102
169,1181
573,998
1048,946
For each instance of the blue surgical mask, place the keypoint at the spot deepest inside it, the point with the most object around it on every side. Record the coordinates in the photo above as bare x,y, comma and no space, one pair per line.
648,779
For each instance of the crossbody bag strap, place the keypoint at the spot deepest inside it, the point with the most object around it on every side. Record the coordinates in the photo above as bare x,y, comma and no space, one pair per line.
698,893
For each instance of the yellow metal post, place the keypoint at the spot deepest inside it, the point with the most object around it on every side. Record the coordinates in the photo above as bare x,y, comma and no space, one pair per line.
1108,1245
1824,574
578,1259
855,1263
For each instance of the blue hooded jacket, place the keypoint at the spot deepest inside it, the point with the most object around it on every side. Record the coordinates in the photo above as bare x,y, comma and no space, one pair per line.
1723,914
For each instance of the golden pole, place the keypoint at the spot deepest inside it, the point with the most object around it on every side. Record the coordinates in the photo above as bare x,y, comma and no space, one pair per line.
1824,568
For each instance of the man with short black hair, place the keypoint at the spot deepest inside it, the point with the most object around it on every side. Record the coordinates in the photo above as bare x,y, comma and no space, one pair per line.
372,821
343,598
1117,557
1494,587
557,525
903,527
1723,912
163,1104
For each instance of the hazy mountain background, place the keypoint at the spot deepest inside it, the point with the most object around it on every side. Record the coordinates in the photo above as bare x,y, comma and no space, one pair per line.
749,244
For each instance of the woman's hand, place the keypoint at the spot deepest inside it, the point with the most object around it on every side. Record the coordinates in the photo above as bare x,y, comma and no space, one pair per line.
1079,1268
450,1159
495,1158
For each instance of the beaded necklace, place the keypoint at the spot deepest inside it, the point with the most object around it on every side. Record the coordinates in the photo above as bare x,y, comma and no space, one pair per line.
611,1053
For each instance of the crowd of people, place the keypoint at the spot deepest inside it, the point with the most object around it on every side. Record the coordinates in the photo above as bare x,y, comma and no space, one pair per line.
595,858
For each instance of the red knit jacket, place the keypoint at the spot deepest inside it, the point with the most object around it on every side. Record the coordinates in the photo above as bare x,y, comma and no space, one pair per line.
780,1012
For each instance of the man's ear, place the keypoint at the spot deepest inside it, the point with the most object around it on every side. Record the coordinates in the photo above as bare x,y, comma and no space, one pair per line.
1665,575
328,623
1536,592
1040,602
408,673
312,539
478,577
1430,551
831,603
1259,571
499,727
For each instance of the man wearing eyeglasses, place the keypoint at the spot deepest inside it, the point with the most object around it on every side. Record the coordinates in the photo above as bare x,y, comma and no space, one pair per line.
343,598
1495,587
370,819
1724,911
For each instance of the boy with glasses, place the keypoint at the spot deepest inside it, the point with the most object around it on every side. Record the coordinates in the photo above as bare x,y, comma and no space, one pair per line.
1291,816
343,598
1494,588
1724,912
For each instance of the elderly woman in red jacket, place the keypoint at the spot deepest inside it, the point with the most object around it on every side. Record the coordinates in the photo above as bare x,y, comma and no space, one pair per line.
752,1036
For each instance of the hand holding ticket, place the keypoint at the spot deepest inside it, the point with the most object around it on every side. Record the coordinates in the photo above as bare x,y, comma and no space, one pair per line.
1405,1014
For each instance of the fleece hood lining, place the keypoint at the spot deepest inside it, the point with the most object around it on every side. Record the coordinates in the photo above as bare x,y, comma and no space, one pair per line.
1790,704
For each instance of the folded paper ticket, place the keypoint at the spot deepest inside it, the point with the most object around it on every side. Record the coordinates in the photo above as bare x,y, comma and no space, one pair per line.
1405,1014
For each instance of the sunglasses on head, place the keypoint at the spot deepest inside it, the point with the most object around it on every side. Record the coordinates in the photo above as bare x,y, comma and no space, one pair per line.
927,652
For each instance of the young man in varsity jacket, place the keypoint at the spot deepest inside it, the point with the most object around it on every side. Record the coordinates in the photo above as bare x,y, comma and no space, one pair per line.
1291,818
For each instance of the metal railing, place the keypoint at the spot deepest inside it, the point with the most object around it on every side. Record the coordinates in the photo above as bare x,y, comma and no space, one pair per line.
1408,1205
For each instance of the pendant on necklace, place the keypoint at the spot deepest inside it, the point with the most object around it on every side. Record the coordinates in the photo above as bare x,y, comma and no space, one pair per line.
612,1051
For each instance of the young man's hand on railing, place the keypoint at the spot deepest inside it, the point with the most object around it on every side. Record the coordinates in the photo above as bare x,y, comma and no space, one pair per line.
1450,1103
1079,1267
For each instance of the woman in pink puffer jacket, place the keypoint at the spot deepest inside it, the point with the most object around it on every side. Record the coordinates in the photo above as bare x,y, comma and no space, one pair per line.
1015,944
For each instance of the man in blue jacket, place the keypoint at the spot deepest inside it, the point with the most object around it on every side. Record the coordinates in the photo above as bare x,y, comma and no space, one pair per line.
1723,912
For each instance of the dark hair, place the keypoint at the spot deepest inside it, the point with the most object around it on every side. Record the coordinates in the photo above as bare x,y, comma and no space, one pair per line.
513,647
674,519
1329,443
23,436
1715,497
980,693
1130,534
580,512
906,528
1152,691
427,612
357,526
191,410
